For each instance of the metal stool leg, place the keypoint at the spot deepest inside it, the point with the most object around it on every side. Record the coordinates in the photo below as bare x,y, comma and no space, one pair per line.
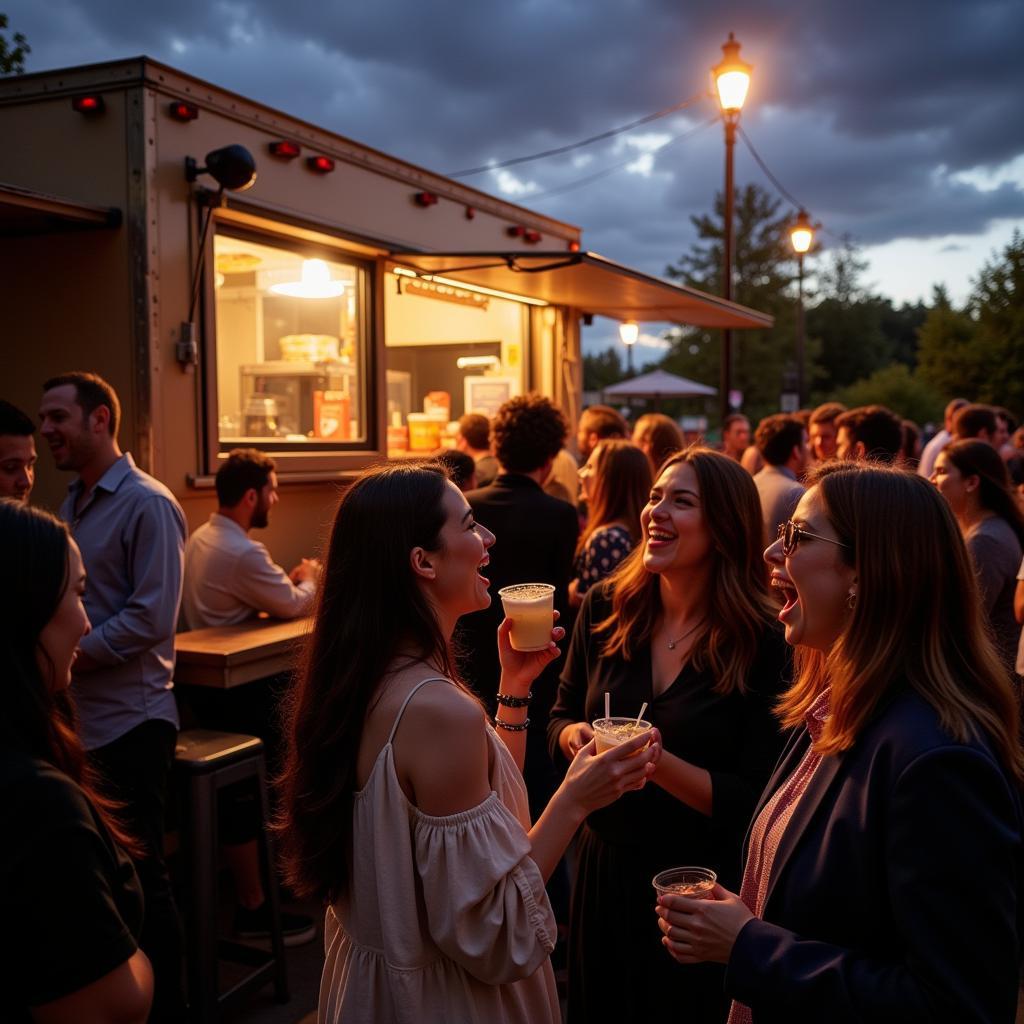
270,888
203,966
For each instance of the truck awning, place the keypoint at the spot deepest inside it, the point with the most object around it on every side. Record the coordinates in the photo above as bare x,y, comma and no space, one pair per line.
585,281
25,212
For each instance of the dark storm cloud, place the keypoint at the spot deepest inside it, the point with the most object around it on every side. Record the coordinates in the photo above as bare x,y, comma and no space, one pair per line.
865,111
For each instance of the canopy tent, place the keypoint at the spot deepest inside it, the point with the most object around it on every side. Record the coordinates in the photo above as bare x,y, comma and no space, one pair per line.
657,385
586,282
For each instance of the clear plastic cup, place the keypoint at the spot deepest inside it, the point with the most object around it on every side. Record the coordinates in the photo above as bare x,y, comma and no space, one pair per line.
531,607
695,883
610,732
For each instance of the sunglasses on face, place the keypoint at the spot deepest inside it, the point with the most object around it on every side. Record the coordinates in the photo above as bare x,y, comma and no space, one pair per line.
792,534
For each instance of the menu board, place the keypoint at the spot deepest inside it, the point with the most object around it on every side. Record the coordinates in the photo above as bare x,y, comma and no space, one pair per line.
487,394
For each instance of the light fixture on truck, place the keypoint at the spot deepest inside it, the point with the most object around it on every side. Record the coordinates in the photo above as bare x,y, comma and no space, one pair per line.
88,103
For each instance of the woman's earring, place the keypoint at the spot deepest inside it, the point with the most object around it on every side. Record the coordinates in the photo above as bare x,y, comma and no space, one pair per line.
851,598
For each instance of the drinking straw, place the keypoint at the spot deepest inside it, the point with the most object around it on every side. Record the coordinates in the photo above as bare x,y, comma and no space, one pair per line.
641,715
608,704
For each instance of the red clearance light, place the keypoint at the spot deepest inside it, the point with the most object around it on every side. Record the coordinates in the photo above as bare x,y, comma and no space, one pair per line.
531,236
515,231
320,164
574,247
285,149
425,199
470,212
182,111
90,103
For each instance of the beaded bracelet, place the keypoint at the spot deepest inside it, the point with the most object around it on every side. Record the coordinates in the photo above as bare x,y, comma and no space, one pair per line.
508,701
509,727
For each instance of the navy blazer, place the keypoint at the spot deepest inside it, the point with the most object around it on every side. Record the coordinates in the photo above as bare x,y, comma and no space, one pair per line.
894,893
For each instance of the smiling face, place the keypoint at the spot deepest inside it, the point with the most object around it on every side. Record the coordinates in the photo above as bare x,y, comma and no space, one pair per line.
676,536
457,584
17,466
67,429
952,484
58,640
814,581
823,440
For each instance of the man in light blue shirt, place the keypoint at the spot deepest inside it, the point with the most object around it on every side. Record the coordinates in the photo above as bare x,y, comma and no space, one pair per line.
131,532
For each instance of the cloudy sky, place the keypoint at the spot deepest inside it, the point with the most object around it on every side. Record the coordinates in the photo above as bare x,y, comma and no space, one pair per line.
898,121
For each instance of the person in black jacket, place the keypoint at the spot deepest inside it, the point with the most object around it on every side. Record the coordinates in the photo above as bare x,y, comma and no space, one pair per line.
884,863
69,894
536,540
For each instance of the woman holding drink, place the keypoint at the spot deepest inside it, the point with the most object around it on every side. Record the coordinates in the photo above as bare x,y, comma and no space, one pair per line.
686,625
402,807
883,866
68,891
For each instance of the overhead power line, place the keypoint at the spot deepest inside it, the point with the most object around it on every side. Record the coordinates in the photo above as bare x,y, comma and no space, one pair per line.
558,150
782,190
580,182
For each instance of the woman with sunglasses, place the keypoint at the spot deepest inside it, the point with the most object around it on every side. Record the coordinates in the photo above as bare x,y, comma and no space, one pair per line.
883,866
69,895
685,626
972,477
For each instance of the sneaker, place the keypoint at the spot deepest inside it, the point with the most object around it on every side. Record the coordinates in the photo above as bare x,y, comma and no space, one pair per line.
297,929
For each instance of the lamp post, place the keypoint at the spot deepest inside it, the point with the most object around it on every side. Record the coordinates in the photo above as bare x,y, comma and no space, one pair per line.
732,79
629,331
802,237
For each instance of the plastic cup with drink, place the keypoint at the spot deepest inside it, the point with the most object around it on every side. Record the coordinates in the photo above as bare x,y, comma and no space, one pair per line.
692,882
531,607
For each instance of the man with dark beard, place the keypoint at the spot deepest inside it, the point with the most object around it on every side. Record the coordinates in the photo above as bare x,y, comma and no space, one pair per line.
229,577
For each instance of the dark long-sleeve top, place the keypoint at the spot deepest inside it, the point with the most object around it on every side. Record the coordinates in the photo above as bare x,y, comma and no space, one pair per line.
895,892
735,737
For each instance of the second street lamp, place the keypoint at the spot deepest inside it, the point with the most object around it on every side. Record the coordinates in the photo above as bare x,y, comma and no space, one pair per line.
802,237
629,331
732,80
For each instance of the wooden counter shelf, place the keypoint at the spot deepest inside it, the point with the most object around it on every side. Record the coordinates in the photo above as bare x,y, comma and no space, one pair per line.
226,656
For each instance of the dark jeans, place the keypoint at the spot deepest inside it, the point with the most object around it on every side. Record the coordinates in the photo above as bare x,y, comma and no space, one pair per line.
134,770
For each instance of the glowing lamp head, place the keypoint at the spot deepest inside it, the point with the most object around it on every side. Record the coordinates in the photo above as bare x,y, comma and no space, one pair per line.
315,283
801,234
732,77
629,331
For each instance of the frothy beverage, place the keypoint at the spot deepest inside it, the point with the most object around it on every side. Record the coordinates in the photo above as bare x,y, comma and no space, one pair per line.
531,607
695,883
610,732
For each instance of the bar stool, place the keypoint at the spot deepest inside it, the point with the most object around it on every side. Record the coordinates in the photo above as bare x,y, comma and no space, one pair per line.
205,761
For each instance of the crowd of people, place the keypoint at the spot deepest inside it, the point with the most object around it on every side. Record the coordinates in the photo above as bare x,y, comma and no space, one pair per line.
822,627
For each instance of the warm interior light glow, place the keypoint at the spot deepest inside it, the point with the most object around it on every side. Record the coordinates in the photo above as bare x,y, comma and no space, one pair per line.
478,288
478,362
732,77
316,283
629,331
802,233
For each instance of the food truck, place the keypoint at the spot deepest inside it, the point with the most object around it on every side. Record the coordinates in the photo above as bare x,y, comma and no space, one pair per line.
245,278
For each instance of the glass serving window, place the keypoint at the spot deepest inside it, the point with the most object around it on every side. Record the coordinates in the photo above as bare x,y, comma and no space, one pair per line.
450,349
291,355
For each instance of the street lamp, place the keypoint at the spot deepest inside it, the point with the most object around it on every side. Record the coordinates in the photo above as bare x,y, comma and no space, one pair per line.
802,237
732,80
629,331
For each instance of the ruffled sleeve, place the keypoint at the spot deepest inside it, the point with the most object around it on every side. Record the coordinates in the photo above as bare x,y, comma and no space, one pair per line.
484,895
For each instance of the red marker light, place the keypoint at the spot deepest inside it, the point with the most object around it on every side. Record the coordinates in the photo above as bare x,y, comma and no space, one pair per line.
320,164
90,103
182,111
531,236
285,149
574,247
425,199
515,231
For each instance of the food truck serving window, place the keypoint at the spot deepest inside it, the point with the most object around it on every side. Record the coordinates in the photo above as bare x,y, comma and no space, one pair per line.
291,352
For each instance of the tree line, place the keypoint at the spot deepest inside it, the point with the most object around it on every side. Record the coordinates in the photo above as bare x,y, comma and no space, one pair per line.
861,348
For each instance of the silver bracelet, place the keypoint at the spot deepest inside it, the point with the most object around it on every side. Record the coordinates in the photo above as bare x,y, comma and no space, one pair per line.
509,727
508,701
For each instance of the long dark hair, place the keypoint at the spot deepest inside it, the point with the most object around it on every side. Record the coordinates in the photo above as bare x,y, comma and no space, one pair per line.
739,606
917,617
976,458
621,485
38,718
369,607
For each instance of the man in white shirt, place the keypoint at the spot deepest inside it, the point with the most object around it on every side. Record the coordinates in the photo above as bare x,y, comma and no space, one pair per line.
229,577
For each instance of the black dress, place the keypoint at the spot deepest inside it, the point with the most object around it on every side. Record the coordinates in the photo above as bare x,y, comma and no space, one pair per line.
69,896
618,968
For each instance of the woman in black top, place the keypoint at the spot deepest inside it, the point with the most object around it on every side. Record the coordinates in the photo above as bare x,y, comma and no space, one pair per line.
69,896
686,625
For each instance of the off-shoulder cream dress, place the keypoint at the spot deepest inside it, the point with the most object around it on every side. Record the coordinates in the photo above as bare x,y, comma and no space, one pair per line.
446,919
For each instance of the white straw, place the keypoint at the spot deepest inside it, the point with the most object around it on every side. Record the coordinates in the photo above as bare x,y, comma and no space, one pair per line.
641,715
607,704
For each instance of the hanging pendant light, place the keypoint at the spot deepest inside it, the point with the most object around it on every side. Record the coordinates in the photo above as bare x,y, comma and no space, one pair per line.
315,283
